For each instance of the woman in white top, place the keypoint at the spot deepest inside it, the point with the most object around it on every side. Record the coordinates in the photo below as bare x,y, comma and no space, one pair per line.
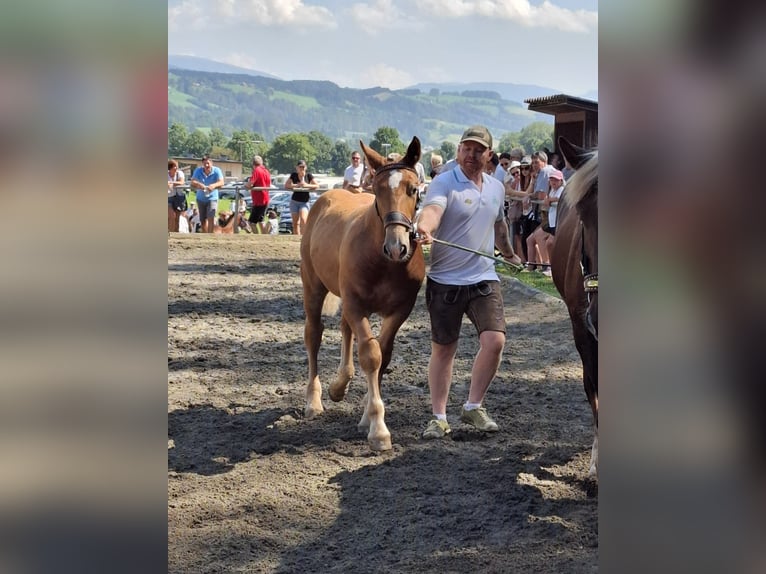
175,187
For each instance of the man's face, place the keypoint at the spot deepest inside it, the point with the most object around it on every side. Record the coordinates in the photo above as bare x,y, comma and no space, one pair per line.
472,156
207,165
355,159
537,164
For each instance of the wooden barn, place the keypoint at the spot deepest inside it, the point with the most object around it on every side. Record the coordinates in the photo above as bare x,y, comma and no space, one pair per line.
575,118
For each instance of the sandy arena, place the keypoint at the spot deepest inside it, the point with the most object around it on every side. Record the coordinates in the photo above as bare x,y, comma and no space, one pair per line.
253,487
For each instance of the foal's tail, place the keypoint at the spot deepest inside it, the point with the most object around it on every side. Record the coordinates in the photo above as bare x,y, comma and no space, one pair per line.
331,305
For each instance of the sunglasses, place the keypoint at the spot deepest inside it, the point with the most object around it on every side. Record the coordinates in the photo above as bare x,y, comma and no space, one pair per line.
515,173
525,167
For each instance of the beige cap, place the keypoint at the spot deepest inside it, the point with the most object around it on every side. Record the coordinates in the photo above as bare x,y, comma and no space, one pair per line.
478,134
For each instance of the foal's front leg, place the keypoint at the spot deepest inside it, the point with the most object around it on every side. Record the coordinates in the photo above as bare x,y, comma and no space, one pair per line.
370,359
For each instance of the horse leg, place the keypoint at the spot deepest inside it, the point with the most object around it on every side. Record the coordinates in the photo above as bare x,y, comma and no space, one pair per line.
370,359
339,388
589,355
388,331
313,297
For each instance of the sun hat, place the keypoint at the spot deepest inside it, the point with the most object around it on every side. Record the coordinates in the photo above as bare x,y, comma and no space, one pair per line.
478,134
556,174
514,163
526,160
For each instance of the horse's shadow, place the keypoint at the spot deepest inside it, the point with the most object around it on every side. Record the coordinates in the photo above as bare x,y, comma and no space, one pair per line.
208,440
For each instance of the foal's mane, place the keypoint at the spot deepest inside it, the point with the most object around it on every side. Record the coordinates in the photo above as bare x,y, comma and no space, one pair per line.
582,181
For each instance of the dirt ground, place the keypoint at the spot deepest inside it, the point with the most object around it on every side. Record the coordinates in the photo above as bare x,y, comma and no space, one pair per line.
253,487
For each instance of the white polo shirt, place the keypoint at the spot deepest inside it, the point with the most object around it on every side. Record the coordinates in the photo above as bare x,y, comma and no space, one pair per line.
468,220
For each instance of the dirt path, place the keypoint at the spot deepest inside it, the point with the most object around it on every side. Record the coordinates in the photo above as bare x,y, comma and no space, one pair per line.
255,488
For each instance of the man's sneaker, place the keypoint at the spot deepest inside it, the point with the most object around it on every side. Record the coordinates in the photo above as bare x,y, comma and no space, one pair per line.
436,429
479,419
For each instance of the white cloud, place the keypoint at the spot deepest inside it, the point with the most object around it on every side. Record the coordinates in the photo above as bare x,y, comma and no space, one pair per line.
386,76
522,12
371,18
214,14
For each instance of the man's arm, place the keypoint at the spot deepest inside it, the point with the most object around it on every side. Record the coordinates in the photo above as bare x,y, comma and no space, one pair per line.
428,222
503,242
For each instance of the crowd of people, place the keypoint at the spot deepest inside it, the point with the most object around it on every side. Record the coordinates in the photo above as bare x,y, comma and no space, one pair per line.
533,185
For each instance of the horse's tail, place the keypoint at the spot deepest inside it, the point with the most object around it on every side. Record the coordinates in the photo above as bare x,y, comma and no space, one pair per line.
331,305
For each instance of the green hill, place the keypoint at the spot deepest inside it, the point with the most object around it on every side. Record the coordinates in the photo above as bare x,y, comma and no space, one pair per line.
271,107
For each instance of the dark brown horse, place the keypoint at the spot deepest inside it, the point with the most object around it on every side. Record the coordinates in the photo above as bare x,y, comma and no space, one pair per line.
574,266
359,247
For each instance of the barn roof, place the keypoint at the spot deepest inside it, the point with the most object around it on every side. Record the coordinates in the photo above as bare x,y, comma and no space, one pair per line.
560,103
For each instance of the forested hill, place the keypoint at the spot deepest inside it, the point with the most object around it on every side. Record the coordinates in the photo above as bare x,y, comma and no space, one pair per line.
270,107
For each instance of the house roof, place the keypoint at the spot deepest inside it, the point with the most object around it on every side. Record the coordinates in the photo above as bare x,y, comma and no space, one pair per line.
560,103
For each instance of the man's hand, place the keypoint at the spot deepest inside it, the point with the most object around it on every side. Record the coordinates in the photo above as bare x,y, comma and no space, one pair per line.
515,259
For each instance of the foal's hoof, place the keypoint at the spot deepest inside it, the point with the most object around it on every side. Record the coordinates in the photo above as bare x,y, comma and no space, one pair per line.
380,444
337,395
312,411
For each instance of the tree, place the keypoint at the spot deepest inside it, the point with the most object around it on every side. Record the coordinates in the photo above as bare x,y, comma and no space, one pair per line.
390,137
448,150
287,150
323,148
339,157
217,138
509,141
244,144
198,144
177,136
537,135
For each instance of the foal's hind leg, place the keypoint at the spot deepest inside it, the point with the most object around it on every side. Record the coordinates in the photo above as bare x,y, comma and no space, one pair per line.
313,297
339,388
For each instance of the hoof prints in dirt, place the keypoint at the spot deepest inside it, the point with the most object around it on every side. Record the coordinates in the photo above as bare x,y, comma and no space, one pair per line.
257,488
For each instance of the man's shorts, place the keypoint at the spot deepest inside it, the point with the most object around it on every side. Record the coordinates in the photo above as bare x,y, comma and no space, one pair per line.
256,213
296,206
207,209
481,302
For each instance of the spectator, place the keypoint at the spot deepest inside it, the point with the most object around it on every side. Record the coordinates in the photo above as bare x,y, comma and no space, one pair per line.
504,162
436,164
528,222
517,154
260,178
302,182
352,177
207,179
194,221
540,186
465,205
542,237
271,226
175,190
492,164
515,195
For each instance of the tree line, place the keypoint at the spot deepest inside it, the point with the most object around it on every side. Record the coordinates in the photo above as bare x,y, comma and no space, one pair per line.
322,154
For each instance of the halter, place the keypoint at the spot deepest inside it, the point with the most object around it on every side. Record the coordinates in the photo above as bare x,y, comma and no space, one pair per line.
394,217
590,280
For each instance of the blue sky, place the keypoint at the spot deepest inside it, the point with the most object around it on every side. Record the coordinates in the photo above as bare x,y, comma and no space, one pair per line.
397,43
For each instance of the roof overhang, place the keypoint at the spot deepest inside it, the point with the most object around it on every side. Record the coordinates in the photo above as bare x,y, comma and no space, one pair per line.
559,104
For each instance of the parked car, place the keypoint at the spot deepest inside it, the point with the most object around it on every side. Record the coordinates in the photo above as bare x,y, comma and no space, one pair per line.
229,190
281,204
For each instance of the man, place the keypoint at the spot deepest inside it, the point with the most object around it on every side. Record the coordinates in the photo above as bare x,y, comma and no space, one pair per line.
207,179
352,177
260,178
465,206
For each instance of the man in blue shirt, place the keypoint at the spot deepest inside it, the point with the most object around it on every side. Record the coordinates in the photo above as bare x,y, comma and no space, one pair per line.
207,179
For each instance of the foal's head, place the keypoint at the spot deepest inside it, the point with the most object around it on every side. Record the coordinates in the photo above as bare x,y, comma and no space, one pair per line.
395,186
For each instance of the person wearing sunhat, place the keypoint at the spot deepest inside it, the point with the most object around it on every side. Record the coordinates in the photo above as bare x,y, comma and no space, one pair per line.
464,206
